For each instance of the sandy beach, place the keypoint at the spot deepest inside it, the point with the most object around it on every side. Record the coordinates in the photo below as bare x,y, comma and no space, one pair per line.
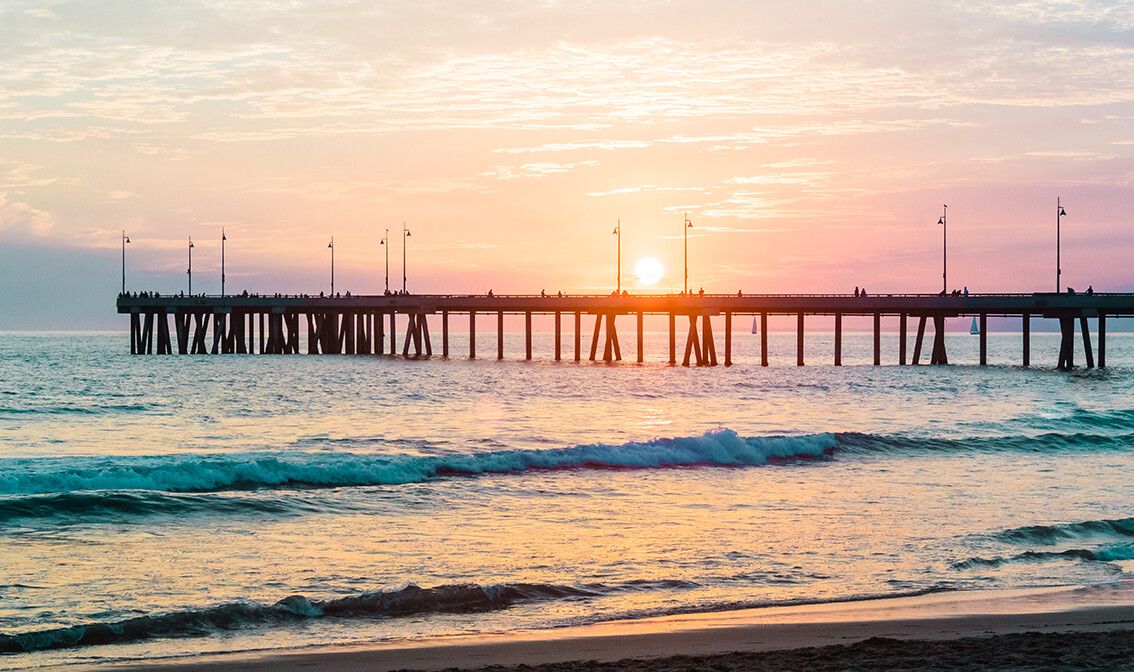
1057,628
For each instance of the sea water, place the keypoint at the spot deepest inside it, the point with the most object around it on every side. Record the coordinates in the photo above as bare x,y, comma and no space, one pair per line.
155,506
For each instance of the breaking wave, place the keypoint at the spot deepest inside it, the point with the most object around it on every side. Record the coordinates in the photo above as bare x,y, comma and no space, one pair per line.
1111,553
406,601
1122,528
193,473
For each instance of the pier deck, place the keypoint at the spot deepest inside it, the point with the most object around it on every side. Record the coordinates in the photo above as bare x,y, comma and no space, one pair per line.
357,324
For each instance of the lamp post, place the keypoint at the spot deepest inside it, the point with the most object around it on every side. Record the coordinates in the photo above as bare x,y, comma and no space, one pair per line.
331,245
618,232
125,240
190,271
944,222
385,242
222,239
688,225
1060,213
405,234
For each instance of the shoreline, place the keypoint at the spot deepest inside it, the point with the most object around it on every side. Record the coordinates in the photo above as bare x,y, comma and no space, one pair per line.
937,617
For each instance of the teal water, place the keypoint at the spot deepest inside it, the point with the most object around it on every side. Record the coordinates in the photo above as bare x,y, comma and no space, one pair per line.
169,506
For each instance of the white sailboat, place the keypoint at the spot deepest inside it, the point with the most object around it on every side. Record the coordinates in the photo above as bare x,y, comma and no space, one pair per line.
754,330
974,330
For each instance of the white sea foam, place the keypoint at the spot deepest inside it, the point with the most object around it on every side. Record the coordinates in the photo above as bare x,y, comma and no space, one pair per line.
185,473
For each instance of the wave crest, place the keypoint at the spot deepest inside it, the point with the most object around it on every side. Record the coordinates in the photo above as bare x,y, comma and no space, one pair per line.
191,473
405,601
1122,528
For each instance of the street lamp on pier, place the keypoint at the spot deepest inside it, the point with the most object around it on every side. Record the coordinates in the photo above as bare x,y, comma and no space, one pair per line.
125,239
190,271
1060,213
385,242
222,239
688,225
943,220
618,232
405,234
331,245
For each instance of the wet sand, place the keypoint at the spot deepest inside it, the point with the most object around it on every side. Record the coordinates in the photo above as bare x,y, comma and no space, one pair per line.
1088,628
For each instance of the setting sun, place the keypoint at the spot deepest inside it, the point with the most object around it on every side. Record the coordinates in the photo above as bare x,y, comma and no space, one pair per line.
649,271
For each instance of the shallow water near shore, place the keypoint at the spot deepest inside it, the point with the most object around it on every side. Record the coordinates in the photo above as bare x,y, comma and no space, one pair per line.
165,506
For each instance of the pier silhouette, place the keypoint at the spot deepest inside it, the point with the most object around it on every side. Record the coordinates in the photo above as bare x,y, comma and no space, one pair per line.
357,325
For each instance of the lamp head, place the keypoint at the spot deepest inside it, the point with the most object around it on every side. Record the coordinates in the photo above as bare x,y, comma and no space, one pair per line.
1062,212
940,220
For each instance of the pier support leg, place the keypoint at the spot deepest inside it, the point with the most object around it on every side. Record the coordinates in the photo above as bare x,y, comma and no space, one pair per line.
763,339
148,335
1090,355
528,335
445,334
902,340
838,339
1027,334
939,355
919,340
314,332
240,333
361,335
423,329
708,343
728,339
219,327
380,334
799,340
499,334
1102,341
200,330
672,339
877,339
181,325
693,343
578,335
135,332
411,331
983,339
641,337
292,322
1066,343
558,335
163,345
594,338
472,334
350,336
611,347
393,333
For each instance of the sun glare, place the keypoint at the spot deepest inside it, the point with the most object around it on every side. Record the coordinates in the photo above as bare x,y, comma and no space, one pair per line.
649,271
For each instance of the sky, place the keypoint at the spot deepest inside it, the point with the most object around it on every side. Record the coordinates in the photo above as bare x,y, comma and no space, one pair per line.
812,145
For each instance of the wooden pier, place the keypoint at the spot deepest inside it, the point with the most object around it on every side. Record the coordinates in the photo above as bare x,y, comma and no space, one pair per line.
357,325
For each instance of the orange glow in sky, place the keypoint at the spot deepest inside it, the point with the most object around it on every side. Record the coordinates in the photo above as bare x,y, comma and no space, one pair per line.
812,145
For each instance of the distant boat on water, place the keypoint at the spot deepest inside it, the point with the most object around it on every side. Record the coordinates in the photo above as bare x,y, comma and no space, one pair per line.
974,330
754,330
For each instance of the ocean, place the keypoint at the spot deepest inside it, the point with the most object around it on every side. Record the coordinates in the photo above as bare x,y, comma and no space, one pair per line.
169,506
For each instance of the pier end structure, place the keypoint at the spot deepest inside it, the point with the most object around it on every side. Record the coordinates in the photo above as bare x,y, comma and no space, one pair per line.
355,324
